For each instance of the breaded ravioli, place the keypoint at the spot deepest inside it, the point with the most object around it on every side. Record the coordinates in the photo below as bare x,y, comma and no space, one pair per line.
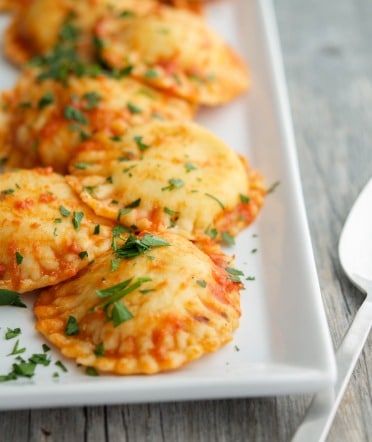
47,119
46,233
40,25
164,304
173,175
174,50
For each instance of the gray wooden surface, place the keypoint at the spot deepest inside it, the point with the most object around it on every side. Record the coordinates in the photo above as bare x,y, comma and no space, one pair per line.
327,46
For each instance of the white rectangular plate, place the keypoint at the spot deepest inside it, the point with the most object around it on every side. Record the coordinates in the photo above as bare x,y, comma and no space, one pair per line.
283,344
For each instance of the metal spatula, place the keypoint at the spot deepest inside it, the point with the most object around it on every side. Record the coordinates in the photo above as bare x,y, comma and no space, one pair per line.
355,252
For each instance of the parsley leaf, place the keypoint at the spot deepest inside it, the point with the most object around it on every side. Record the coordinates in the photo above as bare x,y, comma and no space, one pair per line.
135,246
72,327
8,297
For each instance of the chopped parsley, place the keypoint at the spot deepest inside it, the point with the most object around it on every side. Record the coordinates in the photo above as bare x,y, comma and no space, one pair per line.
272,188
202,283
151,73
234,274
112,298
133,109
215,199
91,371
174,183
140,144
19,258
83,254
135,246
227,238
63,211
12,333
76,219
8,297
16,350
71,113
99,351
81,166
189,167
92,100
45,100
133,204
61,365
211,232
244,199
72,327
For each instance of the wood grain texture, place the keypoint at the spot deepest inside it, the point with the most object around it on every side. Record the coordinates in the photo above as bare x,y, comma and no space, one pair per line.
328,63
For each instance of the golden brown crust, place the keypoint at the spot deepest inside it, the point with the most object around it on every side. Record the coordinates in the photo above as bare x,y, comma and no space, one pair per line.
46,120
41,242
187,308
35,28
172,175
174,50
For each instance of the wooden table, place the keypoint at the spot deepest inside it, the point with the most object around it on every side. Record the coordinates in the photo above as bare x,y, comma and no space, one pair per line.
327,48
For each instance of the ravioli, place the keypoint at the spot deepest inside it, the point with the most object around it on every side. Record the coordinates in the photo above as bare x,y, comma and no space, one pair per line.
46,233
40,25
168,174
174,50
151,313
47,119
192,5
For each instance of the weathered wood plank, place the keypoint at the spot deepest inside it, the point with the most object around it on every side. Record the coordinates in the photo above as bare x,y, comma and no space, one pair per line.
329,68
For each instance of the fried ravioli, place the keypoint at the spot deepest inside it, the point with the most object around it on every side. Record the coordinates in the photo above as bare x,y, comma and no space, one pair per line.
176,51
40,25
46,119
46,233
172,175
150,314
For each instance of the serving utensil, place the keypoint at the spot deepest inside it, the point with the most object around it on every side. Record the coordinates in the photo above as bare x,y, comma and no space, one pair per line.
355,253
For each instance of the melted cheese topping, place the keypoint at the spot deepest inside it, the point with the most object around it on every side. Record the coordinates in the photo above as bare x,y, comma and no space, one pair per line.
188,307
48,119
41,242
172,175
174,50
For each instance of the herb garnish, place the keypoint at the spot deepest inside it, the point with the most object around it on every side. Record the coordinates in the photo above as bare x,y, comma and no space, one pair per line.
72,327
244,199
189,167
16,350
99,351
71,113
215,199
234,274
135,246
63,211
46,100
133,109
151,73
113,295
19,258
76,219
174,183
8,297
92,100
61,365
12,333
272,187
141,146
227,238
91,371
